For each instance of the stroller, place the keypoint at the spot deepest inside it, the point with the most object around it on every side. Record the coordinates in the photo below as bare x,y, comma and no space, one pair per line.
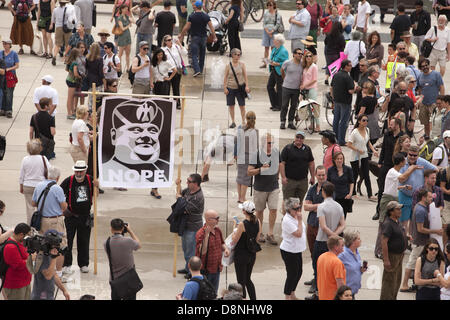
218,22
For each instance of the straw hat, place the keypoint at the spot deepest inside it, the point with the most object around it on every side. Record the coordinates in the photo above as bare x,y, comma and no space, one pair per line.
104,31
309,41
406,34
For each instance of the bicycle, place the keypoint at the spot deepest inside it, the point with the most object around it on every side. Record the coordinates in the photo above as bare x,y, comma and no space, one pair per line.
328,104
255,8
306,112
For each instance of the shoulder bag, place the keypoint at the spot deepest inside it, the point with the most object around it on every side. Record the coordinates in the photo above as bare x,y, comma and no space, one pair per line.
65,28
281,26
426,48
36,219
241,87
127,284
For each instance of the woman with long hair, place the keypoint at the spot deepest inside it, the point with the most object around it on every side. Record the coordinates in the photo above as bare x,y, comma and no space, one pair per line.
160,72
124,39
73,81
375,50
358,142
309,82
232,21
271,23
402,145
247,144
44,17
430,260
334,45
341,175
245,255
368,105
94,70
81,64
344,293
116,13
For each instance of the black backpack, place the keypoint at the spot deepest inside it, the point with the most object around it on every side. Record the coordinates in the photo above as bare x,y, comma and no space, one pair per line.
131,73
206,290
3,265
2,146
119,73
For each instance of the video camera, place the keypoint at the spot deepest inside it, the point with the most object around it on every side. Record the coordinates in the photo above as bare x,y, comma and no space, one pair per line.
44,244
125,228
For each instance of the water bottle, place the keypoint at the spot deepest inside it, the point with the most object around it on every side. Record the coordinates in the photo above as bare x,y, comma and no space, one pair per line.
249,96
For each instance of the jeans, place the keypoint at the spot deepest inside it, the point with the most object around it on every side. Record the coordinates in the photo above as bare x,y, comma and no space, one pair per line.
288,96
198,50
144,37
214,278
275,96
8,95
1,99
77,225
188,244
340,120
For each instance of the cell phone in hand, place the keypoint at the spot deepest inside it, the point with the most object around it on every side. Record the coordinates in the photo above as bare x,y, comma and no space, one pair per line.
365,263
235,218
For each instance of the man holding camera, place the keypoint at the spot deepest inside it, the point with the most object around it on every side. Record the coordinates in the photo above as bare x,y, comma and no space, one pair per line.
44,270
122,248
79,190
16,283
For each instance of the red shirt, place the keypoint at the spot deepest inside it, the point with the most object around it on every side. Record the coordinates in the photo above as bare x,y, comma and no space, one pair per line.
215,242
328,157
17,275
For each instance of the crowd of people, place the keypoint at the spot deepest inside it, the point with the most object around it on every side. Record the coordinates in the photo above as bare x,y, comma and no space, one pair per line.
413,186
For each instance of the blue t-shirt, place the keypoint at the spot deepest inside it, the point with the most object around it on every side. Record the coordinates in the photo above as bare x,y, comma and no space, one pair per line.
11,59
416,179
237,12
430,84
199,21
55,197
191,289
180,3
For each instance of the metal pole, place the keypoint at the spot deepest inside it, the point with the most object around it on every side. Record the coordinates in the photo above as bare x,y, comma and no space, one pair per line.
94,163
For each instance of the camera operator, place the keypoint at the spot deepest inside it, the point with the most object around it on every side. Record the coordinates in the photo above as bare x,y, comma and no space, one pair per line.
122,259
16,284
78,189
44,270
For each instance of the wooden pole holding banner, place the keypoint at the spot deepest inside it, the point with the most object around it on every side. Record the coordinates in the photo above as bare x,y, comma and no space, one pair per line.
175,236
94,164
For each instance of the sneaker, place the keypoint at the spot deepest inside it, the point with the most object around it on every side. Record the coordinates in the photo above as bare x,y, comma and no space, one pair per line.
205,178
261,238
308,283
2,113
196,74
291,126
67,270
182,271
376,216
84,269
66,279
313,297
283,126
9,114
54,61
233,125
271,239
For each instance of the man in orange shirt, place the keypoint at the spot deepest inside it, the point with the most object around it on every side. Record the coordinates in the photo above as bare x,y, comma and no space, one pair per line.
330,270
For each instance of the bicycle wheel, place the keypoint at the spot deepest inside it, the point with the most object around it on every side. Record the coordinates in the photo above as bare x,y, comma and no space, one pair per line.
246,12
309,122
223,6
328,109
257,10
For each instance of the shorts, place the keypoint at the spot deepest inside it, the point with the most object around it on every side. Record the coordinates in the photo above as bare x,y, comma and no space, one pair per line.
72,84
77,154
23,293
437,56
61,38
266,40
445,213
234,94
415,253
261,198
407,207
55,224
295,189
425,112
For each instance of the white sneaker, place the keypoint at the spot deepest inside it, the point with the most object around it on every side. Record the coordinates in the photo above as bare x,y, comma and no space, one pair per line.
66,279
67,271
84,269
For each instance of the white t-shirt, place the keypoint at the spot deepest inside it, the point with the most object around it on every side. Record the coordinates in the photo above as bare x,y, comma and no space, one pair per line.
391,183
143,73
352,50
360,143
46,91
363,9
32,170
161,71
110,72
290,242
445,293
443,38
439,153
80,126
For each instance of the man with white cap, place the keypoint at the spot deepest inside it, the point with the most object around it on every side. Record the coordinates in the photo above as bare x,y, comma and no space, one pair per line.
46,91
79,191
440,154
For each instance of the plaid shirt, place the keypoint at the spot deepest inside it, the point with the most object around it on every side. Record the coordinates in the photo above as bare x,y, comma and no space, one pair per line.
215,242
438,197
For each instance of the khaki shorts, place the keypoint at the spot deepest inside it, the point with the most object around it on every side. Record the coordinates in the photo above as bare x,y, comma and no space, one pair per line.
61,38
425,112
78,154
445,214
261,198
415,253
23,293
437,56
55,224
295,189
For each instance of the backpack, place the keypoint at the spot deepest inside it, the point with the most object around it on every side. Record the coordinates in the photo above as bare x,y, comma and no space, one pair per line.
427,149
206,290
21,9
119,73
3,265
2,146
131,73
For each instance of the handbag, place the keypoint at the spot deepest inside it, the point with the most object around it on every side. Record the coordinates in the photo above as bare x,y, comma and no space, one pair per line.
426,48
117,30
36,218
241,87
183,67
127,284
281,27
361,56
11,79
241,27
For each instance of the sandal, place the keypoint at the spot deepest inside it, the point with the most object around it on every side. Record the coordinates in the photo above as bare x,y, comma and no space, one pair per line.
49,56
33,53
21,51
154,195
44,55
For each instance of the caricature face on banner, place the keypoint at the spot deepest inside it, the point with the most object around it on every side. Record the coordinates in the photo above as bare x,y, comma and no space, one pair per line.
136,142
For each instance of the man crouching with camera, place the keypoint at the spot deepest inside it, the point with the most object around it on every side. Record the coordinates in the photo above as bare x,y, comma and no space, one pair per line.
124,280
42,263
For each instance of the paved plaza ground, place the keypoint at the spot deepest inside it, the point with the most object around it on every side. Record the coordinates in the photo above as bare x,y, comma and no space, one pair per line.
147,215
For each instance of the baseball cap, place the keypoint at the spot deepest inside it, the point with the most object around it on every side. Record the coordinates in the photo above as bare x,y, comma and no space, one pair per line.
247,206
47,78
7,41
393,205
143,43
301,133
446,134
198,4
